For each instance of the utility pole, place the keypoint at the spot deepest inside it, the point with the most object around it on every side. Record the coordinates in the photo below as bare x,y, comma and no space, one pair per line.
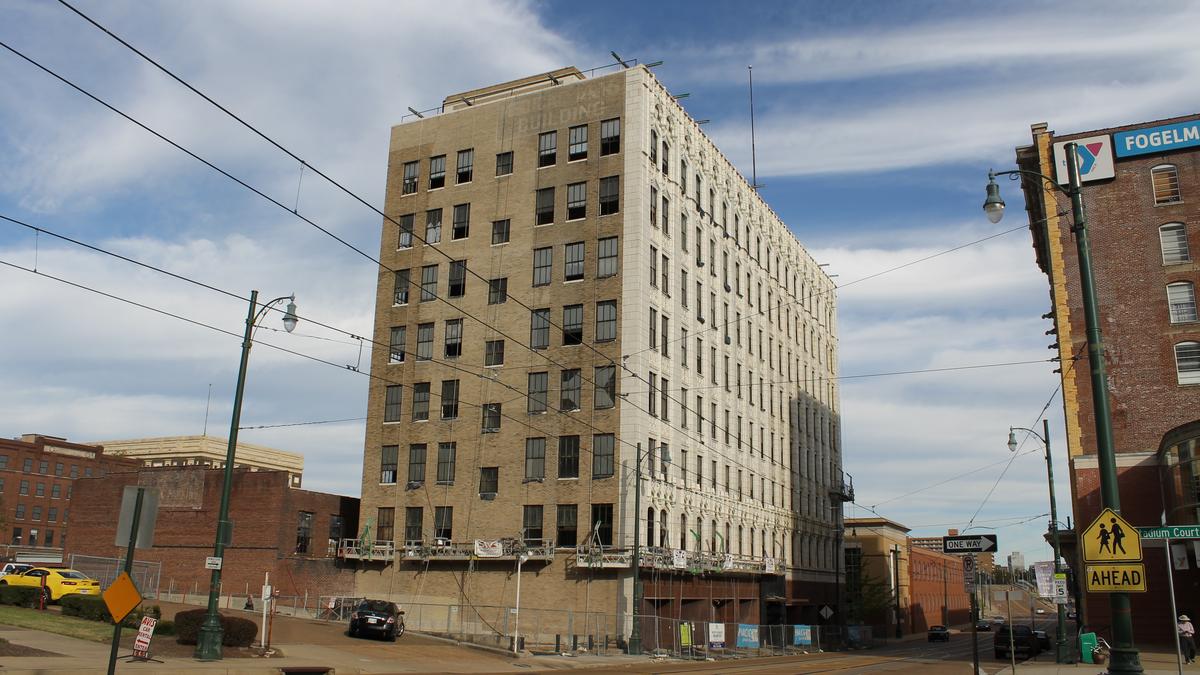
635,634
896,574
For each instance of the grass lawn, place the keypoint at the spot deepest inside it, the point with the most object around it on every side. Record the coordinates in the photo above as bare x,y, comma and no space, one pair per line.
53,622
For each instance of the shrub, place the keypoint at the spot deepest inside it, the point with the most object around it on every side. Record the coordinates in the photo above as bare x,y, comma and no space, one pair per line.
236,631
153,611
22,596
89,607
164,627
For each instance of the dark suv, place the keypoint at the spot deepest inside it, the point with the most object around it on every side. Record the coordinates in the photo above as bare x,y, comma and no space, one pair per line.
1021,639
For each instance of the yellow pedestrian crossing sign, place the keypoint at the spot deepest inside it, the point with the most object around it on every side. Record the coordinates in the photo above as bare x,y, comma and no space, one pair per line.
1110,538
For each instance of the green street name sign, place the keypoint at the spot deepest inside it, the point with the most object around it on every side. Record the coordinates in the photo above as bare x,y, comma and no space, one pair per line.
1170,532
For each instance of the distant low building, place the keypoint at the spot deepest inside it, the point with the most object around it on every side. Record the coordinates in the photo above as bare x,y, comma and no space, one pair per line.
38,474
287,532
207,451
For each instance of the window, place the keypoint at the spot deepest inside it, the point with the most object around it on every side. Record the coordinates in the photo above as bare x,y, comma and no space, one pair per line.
385,523
443,523
454,335
491,418
602,523
578,138
52,514
40,490
1165,179
1173,239
571,389
653,207
420,401
683,288
27,465
666,276
576,201
406,230
610,137
504,163
683,176
458,278
653,147
445,465
414,517
547,149
603,455
437,172
433,226
16,536
429,279
497,291
449,399
1187,362
665,387
535,459
666,215
606,321
544,206
666,336
568,457
489,480
500,231
653,267
605,391
416,463
20,511
493,353
1181,301
543,265
539,383
466,166
606,259
399,338
568,515
574,253
388,457
666,158
400,287
572,326
539,329
462,221
55,490
652,404
304,522
392,400
424,341
610,195
24,488
411,171
532,524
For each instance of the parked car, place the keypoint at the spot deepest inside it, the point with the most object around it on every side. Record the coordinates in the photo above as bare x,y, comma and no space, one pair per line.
55,582
377,617
14,568
1043,639
983,624
997,620
939,633
1021,639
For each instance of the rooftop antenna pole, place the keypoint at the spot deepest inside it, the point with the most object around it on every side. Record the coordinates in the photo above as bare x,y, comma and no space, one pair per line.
753,155
207,404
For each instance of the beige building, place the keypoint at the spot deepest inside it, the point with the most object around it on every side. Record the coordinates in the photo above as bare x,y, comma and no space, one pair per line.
575,279
206,451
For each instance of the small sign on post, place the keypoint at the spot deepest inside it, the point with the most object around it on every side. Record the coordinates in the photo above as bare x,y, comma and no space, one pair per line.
141,643
212,562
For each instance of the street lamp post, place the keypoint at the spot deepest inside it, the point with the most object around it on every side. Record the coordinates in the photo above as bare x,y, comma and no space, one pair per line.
1124,655
208,644
521,559
1060,645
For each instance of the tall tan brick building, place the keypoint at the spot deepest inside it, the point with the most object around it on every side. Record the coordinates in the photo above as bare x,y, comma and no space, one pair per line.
574,273
1141,192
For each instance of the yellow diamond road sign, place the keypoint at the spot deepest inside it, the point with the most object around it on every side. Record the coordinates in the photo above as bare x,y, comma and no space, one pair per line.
121,597
1111,539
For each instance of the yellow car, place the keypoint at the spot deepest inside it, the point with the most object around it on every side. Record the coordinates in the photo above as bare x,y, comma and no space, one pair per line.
54,581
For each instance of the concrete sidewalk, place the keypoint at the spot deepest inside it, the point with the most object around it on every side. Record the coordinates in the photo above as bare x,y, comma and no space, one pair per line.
1154,662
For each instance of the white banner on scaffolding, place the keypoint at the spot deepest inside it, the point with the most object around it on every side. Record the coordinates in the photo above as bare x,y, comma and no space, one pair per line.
488,548
679,558
728,563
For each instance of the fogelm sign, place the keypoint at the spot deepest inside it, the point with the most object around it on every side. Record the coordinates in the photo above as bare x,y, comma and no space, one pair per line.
1154,140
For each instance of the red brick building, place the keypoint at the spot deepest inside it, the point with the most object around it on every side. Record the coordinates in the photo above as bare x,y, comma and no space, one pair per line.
937,594
38,475
288,532
1141,192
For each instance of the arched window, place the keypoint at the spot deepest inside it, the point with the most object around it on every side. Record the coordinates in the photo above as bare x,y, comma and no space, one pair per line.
1181,301
1165,180
739,540
713,538
683,531
1187,362
663,534
1173,240
650,526
727,534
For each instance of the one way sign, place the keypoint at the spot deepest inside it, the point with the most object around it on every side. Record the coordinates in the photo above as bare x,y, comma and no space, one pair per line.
975,543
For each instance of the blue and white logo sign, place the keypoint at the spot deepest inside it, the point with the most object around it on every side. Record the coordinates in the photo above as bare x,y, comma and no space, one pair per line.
1093,155
1157,139
802,635
747,636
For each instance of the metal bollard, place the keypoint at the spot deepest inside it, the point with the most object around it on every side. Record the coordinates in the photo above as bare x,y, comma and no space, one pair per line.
574,642
591,643
557,643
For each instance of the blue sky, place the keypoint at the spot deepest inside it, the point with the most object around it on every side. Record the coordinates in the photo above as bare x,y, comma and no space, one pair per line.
876,125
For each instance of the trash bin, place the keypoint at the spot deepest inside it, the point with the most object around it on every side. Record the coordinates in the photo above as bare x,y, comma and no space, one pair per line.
1087,642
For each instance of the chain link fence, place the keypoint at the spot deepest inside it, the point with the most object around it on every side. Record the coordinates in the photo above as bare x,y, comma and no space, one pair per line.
145,574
